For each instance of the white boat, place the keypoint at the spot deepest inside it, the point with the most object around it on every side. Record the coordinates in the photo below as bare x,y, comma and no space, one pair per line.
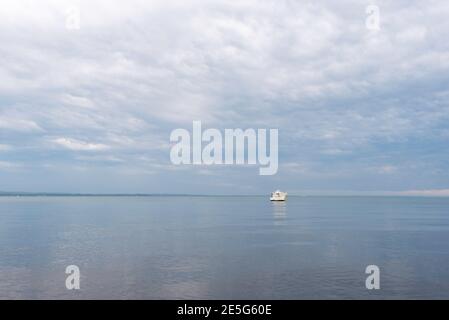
278,196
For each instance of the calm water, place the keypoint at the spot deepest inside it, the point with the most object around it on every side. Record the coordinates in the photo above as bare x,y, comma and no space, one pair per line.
223,247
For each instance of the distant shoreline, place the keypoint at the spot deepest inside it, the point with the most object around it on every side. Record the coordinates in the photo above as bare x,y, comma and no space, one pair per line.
44,194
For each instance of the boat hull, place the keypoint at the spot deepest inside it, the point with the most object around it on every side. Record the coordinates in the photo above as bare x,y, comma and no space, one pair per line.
282,197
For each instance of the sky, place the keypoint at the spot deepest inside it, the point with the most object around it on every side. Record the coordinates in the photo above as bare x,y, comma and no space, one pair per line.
88,105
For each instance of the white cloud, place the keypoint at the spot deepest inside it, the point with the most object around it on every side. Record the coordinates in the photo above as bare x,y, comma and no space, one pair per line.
333,151
16,124
5,147
387,169
295,167
8,165
107,158
431,192
78,145
77,101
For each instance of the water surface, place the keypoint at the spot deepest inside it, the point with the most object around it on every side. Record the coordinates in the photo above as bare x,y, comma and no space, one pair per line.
181,247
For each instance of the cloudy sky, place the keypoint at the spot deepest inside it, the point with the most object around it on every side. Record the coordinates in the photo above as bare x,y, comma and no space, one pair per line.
90,109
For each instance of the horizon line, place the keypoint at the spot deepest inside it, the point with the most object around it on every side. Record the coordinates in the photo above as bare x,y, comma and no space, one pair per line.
423,193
